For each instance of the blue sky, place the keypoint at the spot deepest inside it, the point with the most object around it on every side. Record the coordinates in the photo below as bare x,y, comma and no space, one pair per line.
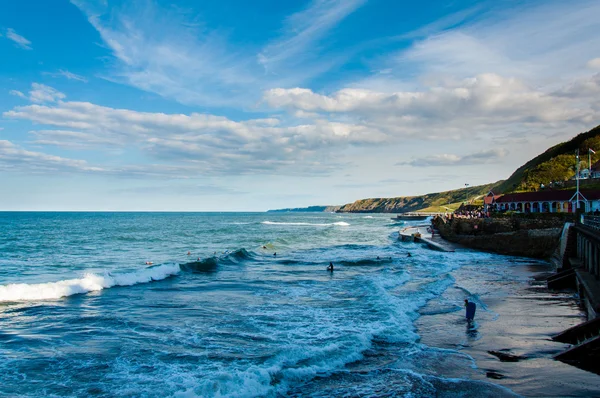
237,105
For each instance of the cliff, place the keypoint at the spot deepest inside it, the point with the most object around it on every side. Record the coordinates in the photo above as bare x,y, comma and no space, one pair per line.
308,209
404,204
555,164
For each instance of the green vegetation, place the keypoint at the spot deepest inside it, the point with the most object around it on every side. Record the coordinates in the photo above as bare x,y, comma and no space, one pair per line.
451,199
556,164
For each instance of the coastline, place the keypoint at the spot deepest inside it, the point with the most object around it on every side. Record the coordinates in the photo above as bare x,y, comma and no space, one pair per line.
518,316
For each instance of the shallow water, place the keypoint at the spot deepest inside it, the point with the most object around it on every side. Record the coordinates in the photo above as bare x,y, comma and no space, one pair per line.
82,314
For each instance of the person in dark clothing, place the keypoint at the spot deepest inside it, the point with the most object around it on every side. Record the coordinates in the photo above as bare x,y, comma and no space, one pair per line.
470,310
330,267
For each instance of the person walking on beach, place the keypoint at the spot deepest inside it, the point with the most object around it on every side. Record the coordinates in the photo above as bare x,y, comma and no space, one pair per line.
470,308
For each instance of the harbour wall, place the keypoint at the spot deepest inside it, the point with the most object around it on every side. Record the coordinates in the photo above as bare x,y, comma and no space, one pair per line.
528,237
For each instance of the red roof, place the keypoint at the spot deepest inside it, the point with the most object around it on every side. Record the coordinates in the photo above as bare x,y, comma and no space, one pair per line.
547,196
491,199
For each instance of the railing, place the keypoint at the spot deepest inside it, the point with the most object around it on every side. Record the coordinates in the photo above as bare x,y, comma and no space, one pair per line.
591,221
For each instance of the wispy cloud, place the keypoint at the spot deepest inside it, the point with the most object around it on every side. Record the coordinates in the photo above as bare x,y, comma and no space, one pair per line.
482,157
19,40
14,157
40,93
302,32
182,190
17,93
170,53
67,74
200,142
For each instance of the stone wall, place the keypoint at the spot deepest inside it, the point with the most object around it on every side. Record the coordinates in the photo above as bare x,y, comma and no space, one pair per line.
537,238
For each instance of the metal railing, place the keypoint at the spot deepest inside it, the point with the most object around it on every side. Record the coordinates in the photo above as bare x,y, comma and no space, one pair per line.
591,221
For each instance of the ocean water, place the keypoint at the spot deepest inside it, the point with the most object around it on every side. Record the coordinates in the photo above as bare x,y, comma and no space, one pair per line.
82,314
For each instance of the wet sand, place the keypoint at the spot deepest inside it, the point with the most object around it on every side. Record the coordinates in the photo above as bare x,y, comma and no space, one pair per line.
516,315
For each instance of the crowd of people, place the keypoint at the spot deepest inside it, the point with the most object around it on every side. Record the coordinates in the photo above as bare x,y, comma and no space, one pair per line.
477,213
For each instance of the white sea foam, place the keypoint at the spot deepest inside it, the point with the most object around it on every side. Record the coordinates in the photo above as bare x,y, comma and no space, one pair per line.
339,223
368,217
89,283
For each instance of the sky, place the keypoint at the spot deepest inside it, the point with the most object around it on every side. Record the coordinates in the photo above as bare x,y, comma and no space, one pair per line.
246,106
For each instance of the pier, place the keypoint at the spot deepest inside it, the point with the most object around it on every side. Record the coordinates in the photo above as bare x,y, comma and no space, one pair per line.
422,233
579,268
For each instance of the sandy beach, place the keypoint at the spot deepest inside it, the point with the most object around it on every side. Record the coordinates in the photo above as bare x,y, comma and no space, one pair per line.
516,315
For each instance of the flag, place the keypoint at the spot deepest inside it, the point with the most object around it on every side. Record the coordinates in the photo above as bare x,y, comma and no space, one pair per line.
591,150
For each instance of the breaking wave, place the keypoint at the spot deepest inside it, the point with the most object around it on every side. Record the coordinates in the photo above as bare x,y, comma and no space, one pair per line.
339,223
89,283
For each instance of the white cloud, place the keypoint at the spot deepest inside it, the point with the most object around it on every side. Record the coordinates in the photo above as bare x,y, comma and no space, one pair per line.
68,75
18,39
200,142
71,139
17,93
593,63
13,157
170,53
482,157
559,40
303,30
484,102
41,93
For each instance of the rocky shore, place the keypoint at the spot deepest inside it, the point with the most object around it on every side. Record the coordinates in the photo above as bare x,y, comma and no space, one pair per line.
536,237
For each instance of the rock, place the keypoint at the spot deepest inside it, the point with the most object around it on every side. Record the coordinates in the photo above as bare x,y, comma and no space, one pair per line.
492,374
505,357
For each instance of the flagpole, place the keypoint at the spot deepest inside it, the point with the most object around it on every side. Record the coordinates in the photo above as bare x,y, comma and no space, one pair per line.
589,162
577,193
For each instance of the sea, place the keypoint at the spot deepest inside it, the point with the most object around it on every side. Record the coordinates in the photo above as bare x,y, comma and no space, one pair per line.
232,305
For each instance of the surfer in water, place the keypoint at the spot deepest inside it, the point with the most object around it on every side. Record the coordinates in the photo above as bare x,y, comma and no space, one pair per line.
275,254
330,267
408,254
470,307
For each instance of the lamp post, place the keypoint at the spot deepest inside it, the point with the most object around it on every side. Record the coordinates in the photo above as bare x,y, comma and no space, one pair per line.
590,151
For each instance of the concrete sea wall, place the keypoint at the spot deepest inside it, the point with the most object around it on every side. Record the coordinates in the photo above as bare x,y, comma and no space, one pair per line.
537,238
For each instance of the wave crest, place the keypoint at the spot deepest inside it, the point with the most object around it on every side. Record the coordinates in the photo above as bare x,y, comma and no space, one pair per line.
89,283
339,223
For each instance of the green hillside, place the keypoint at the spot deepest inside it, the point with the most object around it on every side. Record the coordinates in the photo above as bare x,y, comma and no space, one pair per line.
556,164
413,203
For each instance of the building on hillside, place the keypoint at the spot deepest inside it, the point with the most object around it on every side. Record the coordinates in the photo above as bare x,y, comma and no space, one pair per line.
548,201
592,172
595,170
489,200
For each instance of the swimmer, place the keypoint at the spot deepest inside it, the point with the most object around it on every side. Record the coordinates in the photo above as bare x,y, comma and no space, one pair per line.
189,253
330,267
264,247
408,254
275,254
198,259
378,258
149,263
